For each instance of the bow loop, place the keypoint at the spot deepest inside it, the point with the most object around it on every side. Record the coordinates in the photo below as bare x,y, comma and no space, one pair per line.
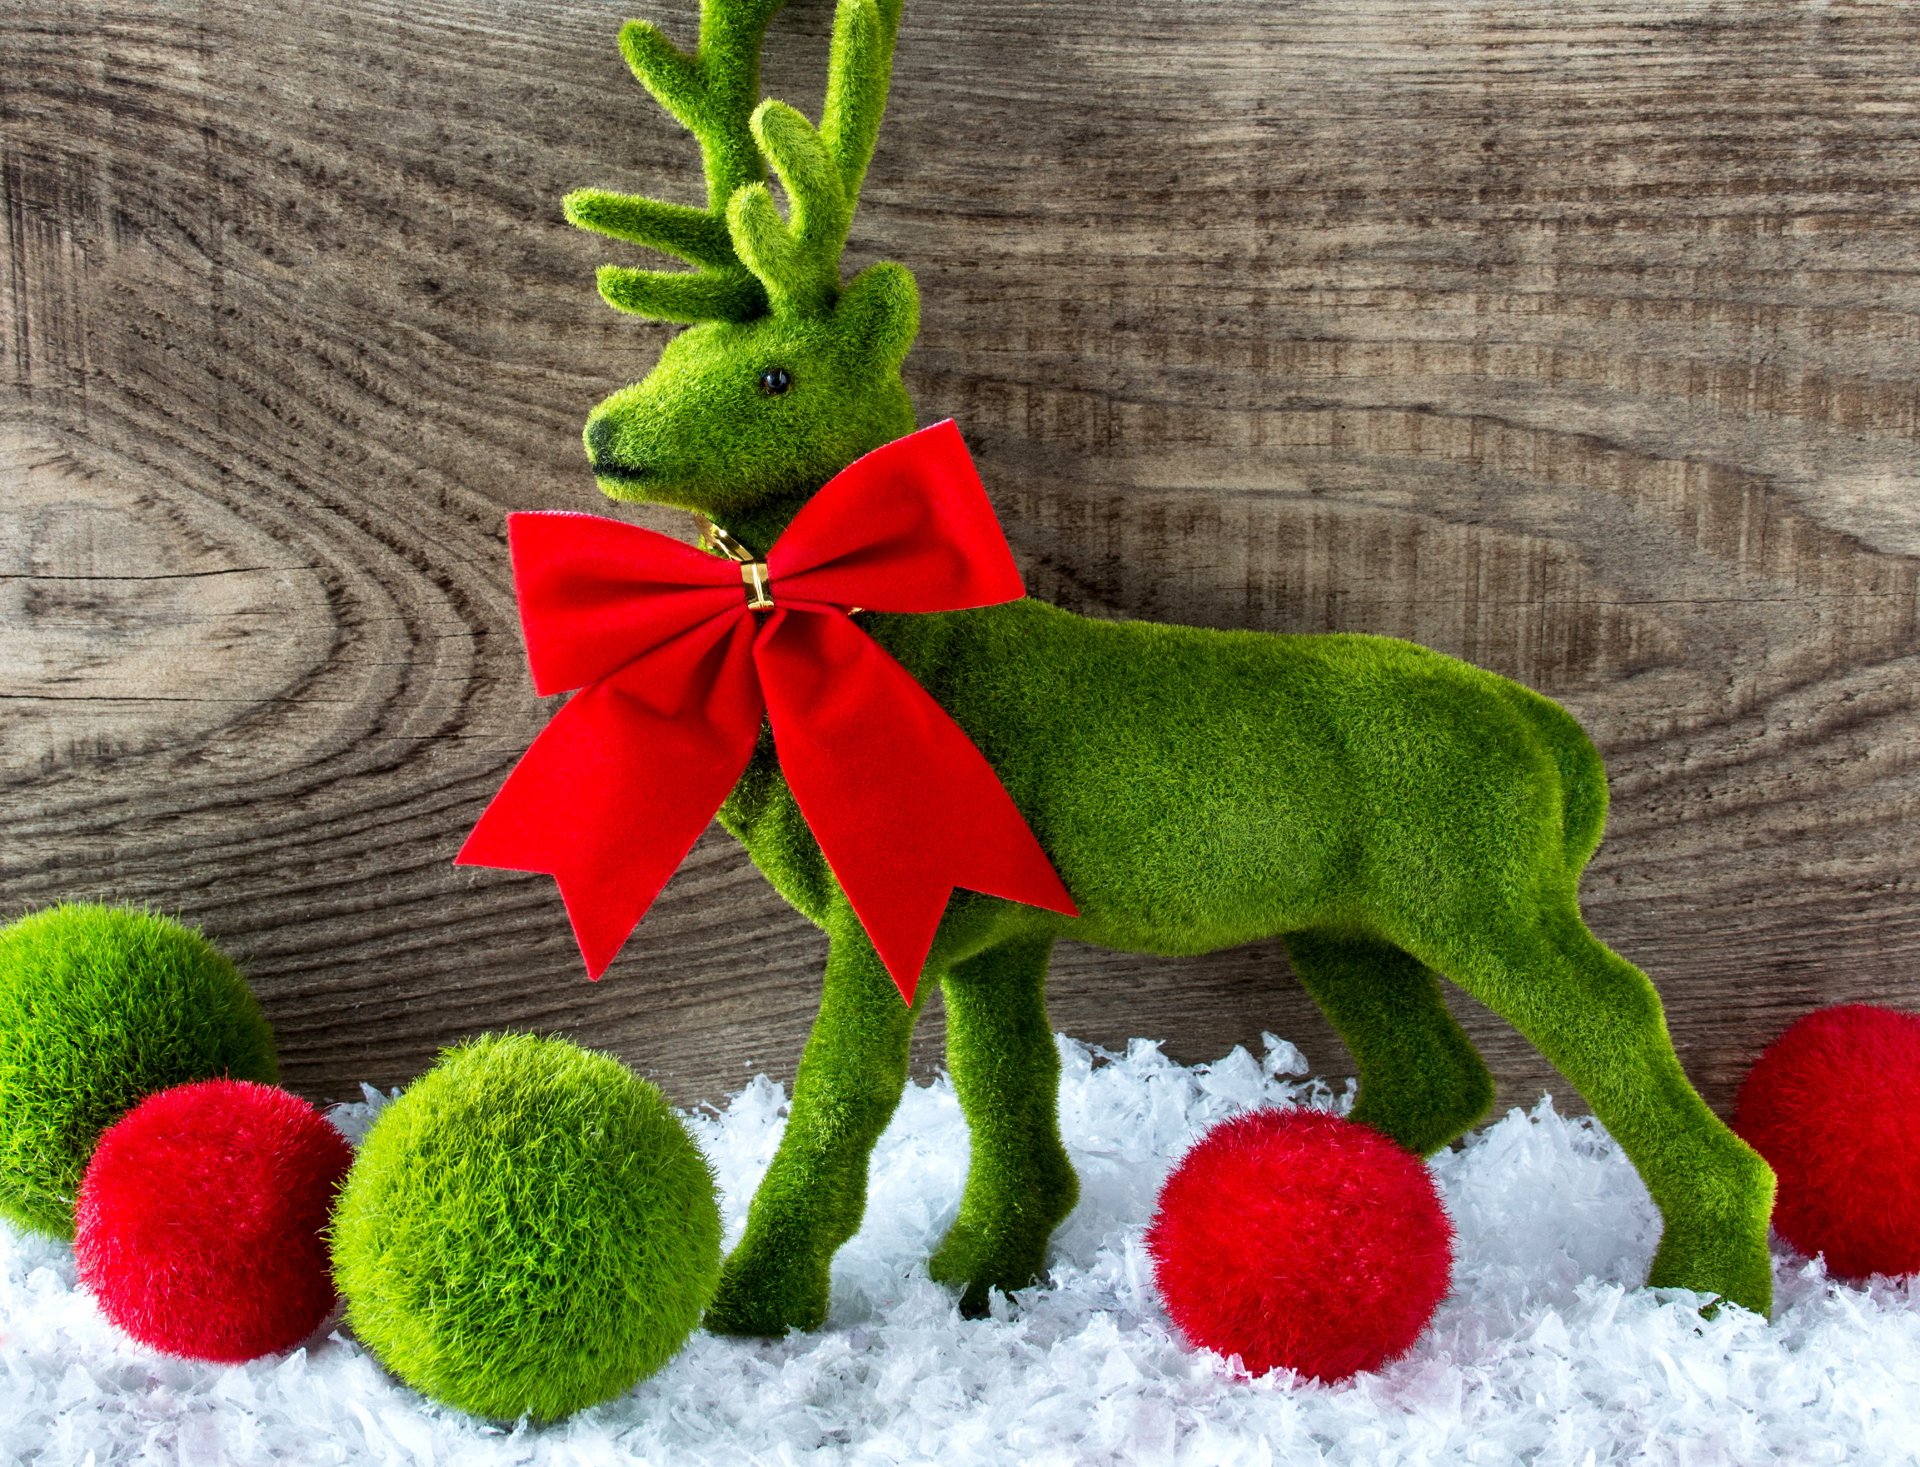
908,527
595,593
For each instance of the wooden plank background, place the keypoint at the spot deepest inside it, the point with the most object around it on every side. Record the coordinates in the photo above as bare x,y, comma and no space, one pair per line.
1578,341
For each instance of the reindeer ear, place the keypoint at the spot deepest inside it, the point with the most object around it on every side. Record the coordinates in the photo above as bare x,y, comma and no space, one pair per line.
879,312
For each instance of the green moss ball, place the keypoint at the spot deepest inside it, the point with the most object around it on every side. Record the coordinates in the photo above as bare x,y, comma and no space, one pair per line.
528,1230
99,1008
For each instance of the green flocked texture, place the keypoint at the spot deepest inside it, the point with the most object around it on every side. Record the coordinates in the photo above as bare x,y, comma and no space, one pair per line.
1396,816
528,1230
99,1008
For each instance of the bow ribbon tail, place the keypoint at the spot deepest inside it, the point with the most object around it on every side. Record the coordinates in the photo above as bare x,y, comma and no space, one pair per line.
904,805
612,795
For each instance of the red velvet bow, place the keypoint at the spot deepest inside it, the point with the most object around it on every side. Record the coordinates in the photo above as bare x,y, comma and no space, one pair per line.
676,670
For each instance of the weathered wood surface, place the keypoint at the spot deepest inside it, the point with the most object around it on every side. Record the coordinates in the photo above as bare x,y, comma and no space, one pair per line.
1583,343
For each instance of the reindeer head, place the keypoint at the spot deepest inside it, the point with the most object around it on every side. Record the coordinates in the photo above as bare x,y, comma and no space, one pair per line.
784,376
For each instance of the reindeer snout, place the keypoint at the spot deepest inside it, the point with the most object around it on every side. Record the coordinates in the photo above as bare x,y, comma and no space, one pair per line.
600,434
610,464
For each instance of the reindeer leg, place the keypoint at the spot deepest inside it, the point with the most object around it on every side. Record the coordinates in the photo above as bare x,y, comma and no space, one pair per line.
1598,1020
811,1201
1020,1184
1421,1080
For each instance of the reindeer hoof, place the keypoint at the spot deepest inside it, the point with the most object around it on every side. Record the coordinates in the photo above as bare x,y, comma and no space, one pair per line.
756,1298
966,1261
1734,1269
1724,1252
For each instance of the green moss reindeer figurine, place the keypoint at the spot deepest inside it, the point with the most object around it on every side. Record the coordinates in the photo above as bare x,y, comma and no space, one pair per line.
1394,815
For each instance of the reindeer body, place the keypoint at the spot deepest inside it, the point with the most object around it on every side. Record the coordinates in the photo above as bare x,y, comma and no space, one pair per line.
1395,815
1205,789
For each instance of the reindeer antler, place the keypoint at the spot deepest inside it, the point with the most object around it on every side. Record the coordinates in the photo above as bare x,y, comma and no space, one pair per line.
798,259
748,259
712,94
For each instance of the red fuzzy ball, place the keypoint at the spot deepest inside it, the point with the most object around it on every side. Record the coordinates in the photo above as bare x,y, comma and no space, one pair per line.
200,1220
1295,1238
1834,1107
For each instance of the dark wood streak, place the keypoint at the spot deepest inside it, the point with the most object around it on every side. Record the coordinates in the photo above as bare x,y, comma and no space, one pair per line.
1584,344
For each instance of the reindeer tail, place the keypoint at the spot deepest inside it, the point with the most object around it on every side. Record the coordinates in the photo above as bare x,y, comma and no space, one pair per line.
1583,777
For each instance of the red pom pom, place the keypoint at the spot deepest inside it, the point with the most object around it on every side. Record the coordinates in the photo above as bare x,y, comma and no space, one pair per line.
1295,1238
200,1220
1834,1107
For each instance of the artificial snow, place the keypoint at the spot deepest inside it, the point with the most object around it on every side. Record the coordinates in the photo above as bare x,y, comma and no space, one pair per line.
1545,1352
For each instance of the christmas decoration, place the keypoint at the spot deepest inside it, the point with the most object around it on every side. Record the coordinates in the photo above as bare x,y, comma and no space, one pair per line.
1300,1241
101,1007
1395,815
528,1230
201,1219
1834,1106
1536,1357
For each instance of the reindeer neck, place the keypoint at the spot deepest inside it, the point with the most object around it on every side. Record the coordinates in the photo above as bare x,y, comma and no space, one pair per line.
757,529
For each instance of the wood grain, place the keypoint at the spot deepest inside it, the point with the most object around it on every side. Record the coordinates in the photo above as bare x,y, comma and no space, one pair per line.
1580,342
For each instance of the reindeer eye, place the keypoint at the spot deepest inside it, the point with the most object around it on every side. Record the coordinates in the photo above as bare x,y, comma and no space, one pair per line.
774,381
